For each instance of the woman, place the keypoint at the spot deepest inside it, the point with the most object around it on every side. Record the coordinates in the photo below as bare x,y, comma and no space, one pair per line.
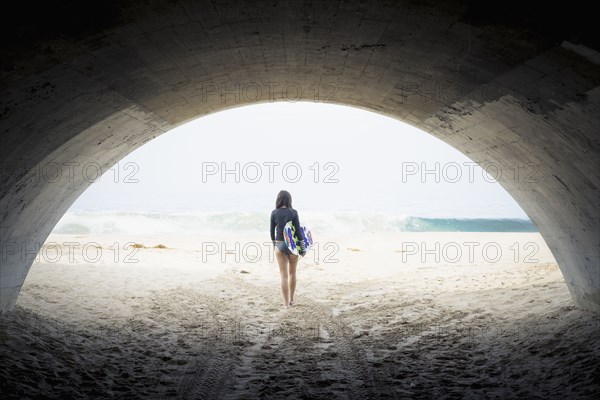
281,215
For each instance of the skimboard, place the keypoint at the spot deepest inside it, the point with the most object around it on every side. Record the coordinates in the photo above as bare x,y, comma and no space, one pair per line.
292,240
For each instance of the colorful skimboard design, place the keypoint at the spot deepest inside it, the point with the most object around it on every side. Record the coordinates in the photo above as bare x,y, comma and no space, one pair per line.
292,240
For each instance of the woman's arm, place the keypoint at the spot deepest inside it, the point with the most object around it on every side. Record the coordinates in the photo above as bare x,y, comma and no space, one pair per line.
272,228
296,222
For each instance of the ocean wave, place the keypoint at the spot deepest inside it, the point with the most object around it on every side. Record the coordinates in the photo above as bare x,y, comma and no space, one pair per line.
86,222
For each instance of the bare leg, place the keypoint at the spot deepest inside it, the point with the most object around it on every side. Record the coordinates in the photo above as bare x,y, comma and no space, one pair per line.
282,260
292,277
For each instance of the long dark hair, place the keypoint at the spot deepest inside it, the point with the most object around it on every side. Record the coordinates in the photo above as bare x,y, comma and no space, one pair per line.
284,198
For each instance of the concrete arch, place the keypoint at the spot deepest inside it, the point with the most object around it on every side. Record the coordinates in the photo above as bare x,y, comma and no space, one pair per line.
83,86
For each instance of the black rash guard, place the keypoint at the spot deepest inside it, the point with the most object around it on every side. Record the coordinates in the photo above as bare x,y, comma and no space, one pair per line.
280,217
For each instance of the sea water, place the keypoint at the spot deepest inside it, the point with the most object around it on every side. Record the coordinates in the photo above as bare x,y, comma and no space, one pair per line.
128,222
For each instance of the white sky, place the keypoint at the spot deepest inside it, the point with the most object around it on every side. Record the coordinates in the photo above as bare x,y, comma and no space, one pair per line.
365,152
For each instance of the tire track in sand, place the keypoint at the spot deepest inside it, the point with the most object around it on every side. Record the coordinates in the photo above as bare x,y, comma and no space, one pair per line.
365,380
209,365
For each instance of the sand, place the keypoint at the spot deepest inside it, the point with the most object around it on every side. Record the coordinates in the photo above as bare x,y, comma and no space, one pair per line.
371,320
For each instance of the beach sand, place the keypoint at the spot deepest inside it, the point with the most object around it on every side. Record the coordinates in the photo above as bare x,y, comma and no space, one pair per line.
203,319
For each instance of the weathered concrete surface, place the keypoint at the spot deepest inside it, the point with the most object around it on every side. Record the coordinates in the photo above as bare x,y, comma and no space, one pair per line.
511,83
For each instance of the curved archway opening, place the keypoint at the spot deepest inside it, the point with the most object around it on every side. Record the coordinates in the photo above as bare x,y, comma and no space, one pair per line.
329,176
385,182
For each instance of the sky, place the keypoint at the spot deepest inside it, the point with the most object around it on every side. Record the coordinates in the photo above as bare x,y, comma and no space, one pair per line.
331,158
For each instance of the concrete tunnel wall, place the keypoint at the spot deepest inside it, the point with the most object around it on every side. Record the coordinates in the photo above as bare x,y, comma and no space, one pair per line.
84,85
